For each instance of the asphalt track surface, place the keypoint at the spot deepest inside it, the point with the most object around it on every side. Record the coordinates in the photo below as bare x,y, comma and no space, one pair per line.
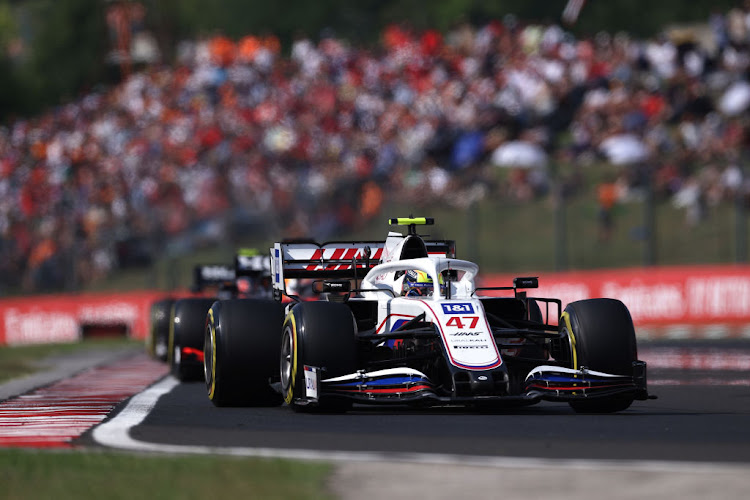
701,415
693,442
688,423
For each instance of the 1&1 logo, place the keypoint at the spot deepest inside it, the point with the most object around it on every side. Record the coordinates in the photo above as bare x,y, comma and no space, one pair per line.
458,308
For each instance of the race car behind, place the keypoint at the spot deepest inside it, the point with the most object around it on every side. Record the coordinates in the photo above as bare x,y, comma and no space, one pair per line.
247,276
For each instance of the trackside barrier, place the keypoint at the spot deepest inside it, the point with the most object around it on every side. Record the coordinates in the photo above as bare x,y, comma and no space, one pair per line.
63,318
658,296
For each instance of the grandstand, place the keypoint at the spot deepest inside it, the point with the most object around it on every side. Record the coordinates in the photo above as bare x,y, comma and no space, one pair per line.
239,138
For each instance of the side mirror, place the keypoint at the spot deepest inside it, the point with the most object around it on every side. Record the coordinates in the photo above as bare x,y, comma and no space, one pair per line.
526,282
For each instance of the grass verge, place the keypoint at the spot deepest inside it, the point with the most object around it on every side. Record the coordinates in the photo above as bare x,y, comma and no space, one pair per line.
28,474
17,361
506,236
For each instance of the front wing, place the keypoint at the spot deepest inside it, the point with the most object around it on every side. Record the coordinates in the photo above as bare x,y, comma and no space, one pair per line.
410,386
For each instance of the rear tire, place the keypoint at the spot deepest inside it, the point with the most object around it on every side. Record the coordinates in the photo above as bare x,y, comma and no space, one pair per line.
602,338
242,348
186,338
323,335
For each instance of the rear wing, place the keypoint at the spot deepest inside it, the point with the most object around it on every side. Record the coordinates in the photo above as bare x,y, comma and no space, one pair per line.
252,265
308,259
333,260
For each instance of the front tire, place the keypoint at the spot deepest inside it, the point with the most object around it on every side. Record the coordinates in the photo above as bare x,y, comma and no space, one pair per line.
158,339
602,338
242,348
319,334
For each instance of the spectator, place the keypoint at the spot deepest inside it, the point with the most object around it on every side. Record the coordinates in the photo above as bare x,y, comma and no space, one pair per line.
607,197
316,141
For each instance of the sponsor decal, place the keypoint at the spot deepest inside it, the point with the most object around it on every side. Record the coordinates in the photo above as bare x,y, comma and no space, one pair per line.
463,321
60,318
277,265
39,326
340,254
217,273
252,263
311,382
658,296
458,308
465,350
108,313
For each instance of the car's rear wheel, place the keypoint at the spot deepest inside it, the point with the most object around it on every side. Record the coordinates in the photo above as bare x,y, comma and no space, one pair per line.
601,337
242,348
186,338
321,335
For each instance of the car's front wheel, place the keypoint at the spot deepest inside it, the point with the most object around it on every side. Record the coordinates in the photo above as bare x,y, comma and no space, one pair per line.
186,338
158,339
601,337
319,335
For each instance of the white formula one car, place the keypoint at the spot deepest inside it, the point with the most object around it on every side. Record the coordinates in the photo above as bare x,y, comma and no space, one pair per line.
402,322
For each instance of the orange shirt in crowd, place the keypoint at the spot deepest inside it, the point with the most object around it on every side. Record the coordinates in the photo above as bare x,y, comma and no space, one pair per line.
607,194
222,50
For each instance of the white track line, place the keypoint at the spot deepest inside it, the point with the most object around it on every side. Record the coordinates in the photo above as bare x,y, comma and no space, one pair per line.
115,433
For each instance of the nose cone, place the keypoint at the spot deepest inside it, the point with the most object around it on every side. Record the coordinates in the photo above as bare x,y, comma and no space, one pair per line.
481,383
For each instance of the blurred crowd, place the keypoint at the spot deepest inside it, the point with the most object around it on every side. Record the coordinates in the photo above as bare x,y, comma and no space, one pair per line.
238,136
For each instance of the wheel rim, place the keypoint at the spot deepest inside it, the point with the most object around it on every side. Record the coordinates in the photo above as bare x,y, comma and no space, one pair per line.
571,349
287,351
208,359
568,330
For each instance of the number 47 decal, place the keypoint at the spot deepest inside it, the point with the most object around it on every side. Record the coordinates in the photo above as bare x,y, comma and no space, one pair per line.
458,321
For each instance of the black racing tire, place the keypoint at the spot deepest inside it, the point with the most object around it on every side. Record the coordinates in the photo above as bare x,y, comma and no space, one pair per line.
186,329
323,335
601,337
157,343
241,353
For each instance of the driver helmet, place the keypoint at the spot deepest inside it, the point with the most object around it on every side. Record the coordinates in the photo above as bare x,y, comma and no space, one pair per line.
244,287
418,284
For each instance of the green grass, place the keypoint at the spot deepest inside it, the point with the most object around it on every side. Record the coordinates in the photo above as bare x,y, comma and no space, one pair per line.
504,236
43,474
17,361
81,476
